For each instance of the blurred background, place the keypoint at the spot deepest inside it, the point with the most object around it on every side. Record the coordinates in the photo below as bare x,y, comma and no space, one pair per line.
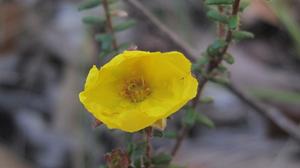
46,52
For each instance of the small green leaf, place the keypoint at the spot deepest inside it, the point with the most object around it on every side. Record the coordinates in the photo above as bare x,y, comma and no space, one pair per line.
165,134
157,133
170,134
93,20
124,46
216,16
129,143
221,68
215,47
195,67
229,58
244,4
106,45
202,119
124,25
161,159
130,148
89,4
137,152
219,2
219,80
104,53
190,116
103,166
206,100
233,22
218,44
106,40
242,35
203,60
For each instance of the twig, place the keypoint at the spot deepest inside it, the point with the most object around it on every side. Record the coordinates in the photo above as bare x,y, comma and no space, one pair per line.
148,135
163,29
109,25
273,114
221,26
182,134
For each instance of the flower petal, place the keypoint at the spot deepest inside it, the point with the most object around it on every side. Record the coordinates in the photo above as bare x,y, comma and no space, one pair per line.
167,74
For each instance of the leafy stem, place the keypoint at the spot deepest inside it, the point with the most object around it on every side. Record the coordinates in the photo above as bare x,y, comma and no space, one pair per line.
213,63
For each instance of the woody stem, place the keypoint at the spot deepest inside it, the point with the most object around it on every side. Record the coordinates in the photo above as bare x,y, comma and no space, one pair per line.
148,153
109,25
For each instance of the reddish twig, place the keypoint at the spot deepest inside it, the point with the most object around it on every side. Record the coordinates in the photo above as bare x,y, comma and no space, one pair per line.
221,26
109,25
148,136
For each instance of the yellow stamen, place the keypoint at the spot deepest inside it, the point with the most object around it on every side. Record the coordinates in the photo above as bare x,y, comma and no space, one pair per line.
136,90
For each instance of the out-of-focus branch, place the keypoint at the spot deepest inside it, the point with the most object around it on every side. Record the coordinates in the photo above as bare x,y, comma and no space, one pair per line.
276,116
148,136
172,36
271,113
109,24
221,26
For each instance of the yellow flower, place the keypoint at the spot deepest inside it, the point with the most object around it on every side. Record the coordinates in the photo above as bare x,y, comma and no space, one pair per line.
137,89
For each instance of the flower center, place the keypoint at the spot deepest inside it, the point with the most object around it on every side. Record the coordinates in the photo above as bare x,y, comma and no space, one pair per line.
136,90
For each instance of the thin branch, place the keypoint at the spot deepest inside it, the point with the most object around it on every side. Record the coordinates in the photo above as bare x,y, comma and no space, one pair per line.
221,26
273,114
148,136
182,134
163,29
109,25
